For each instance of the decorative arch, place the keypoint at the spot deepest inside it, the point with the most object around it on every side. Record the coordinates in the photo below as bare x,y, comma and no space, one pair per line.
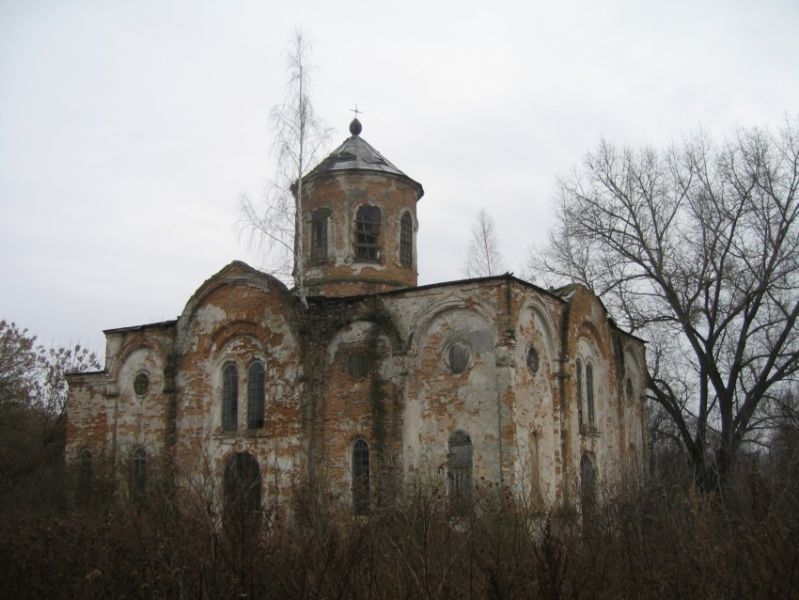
452,303
541,318
138,341
355,334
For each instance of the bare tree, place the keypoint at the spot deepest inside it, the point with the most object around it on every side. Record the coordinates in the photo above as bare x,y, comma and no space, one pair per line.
298,136
484,258
33,394
695,248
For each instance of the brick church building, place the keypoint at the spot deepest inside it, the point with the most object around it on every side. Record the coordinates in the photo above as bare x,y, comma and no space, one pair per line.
378,385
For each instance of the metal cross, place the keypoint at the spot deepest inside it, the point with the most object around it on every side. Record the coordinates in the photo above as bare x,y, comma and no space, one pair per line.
356,111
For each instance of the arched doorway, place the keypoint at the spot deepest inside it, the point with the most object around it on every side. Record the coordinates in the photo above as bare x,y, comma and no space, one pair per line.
242,495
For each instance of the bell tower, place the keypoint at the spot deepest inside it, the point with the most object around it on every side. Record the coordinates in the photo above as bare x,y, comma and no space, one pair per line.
358,223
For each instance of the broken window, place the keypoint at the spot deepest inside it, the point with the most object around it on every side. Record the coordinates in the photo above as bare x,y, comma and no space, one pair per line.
230,397
406,240
367,234
360,477
458,357
589,393
459,471
256,395
138,479
319,220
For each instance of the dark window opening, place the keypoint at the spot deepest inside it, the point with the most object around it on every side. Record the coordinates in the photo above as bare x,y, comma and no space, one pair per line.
85,473
578,383
406,240
459,471
628,389
256,395
367,234
360,477
138,482
587,484
458,357
141,384
358,364
532,360
319,220
589,389
230,397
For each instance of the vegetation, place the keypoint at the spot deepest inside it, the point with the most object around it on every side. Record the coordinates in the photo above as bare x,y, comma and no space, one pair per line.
660,542
33,393
696,249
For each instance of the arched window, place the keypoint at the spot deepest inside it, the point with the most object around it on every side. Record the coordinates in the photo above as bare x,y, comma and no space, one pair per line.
578,379
589,394
85,473
255,395
360,477
319,220
367,234
459,471
406,240
587,483
242,492
230,397
138,479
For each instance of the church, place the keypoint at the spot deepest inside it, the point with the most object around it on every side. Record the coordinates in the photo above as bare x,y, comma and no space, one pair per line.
371,387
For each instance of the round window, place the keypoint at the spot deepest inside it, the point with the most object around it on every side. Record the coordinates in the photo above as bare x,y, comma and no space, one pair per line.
532,360
458,356
358,365
141,384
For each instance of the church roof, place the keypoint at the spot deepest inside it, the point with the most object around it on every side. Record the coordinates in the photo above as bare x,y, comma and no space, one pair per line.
356,154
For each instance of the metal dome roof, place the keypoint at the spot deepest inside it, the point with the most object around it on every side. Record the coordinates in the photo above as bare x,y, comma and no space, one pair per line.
356,154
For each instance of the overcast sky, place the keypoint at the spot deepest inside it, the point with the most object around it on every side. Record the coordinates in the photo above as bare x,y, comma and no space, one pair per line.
129,130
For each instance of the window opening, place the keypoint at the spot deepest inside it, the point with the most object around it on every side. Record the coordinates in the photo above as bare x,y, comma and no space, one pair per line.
406,240
319,220
230,395
578,376
360,477
587,483
358,364
367,233
532,360
628,389
459,471
458,357
139,474
256,395
141,385
589,389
